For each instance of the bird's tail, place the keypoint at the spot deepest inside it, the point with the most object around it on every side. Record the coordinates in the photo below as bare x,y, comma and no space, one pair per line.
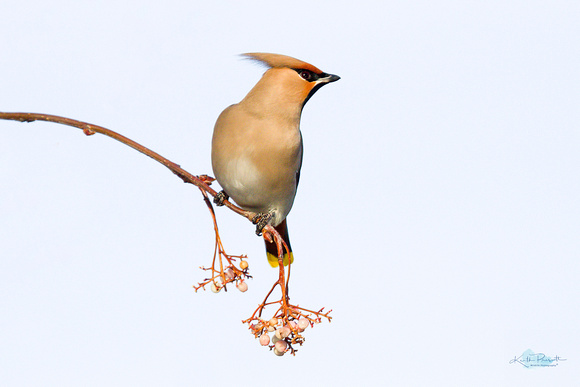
272,250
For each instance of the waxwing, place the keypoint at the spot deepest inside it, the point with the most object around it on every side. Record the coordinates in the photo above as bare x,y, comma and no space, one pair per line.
257,145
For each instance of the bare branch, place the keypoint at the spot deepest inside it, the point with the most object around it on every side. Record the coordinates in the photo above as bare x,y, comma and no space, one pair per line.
202,182
289,321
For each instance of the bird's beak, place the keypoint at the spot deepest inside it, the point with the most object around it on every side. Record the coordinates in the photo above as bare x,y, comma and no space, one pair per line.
327,78
322,80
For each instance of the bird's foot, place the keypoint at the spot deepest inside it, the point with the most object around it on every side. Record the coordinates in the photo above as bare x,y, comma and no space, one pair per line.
261,220
220,198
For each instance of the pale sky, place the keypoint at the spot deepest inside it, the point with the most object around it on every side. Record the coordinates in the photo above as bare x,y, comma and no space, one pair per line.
437,213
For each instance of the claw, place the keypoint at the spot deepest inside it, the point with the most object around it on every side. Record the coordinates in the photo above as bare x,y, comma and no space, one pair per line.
261,220
220,198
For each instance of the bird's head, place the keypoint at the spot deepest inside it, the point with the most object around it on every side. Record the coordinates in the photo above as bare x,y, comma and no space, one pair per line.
288,82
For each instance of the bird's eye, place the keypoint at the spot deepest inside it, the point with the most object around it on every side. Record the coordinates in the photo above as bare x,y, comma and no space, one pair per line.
306,75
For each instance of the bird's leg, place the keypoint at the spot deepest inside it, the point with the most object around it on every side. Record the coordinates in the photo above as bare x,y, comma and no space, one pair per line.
220,198
261,220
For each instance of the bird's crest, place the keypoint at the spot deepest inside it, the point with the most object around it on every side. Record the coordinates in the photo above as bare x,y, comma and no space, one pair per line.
278,61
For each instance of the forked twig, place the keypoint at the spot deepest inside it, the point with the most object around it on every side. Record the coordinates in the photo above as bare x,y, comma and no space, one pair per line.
225,275
202,182
288,321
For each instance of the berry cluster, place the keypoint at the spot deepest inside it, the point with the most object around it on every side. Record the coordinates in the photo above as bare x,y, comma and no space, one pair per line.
231,274
283,335
283,331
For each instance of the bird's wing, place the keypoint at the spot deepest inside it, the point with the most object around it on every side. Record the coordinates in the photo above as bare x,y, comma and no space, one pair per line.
301,157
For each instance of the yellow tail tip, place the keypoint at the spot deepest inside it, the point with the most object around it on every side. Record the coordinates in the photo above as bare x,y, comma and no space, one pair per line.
273,260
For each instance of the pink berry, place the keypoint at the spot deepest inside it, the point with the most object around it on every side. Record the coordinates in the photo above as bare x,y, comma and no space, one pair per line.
284,332
229,273
242,286
287,331
303,323
264,339
281,346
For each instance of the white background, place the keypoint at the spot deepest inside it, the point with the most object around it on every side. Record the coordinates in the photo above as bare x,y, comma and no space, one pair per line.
437,214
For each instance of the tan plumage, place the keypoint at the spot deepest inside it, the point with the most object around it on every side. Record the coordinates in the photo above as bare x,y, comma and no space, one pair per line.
257,144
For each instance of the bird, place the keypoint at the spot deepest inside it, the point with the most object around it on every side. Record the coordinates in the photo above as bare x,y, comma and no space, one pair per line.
257,149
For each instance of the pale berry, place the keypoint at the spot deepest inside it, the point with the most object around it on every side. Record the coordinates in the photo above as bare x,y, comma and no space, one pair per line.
283,332
264,339
303,323
281,346
242,286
